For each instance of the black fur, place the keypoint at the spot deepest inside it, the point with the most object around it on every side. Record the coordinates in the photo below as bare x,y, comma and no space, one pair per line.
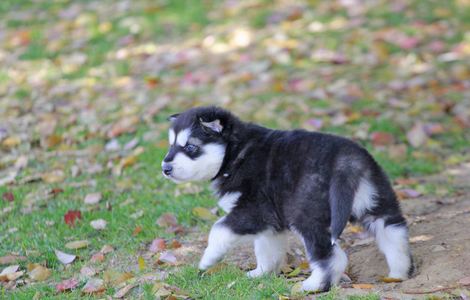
292,180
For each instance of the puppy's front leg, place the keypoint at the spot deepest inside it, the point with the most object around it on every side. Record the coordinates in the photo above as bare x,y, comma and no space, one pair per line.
221,240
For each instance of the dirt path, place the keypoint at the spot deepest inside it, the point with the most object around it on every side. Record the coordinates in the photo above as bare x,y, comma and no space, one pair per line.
440,242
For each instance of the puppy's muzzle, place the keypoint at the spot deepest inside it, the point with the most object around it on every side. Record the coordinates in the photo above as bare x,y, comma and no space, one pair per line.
167,169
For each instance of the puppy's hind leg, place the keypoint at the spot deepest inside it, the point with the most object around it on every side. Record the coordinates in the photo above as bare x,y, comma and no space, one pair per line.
270,251
327,261
392,239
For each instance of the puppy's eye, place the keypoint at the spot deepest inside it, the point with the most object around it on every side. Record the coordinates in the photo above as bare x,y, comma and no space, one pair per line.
191,148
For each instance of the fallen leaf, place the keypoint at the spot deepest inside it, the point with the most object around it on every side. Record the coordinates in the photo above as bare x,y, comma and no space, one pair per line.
407,193
9,259
294,273
8,273
11,142
215,269
161,290
421,238
53,177
379,138
123,292
116,278
66,285
98,224
390,279
97,257
157,245
71,216
92,198
64,257
296,289
167,220
87,271
417,135
203,213
167,257
39,273
93,286
174,244
141,263
364,286
77,244
106,249
465,281
8,196
137,230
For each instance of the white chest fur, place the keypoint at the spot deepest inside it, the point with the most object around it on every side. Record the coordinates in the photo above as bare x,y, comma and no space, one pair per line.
228,201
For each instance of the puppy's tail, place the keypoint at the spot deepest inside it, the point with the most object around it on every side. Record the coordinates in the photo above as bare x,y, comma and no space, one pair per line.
342,190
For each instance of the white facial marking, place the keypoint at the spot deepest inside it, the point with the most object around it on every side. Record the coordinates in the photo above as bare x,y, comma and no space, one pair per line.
183,136
270,250
393,242
171,136
204,167
228,201
364,198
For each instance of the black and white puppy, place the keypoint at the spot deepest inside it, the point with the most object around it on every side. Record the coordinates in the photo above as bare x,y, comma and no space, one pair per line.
271,182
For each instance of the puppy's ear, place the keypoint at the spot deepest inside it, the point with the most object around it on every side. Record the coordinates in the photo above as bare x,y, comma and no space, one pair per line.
172,117
213,125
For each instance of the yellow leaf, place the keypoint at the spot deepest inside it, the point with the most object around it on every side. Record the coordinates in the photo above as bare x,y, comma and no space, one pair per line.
215,269
40,273
365,286
141,263
203,213
294,273
11,142
77,244
390,279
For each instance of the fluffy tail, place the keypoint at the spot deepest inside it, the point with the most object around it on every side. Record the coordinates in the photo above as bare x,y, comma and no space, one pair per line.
342,190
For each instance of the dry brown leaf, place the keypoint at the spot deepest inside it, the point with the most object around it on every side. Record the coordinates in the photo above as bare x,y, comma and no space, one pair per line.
8,272
40,273
390,279
77,244
107,249
11,258
363,286
97,257
157,245
67,285
55,176
123,292
116,278
93,286
167,220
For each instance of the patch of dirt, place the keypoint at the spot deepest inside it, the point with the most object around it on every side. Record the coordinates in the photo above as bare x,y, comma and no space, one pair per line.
440,243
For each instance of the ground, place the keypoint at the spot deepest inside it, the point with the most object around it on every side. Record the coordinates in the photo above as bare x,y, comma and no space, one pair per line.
85,91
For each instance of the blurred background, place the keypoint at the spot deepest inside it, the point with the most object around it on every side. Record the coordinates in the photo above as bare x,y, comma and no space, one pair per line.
392,74
86,87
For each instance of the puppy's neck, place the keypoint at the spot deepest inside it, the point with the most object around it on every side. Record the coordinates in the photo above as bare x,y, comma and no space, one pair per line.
243,138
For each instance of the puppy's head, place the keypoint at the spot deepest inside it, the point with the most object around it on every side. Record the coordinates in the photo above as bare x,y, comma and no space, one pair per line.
197,144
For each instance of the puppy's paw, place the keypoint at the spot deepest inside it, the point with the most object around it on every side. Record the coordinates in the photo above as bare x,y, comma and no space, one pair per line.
204,265
312,285
255,273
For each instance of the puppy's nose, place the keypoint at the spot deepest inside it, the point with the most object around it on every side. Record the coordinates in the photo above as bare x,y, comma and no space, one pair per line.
167,169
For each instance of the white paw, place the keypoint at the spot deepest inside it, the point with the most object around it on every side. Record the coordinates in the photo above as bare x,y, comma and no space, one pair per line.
313,284
398,275
255,273
204,264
